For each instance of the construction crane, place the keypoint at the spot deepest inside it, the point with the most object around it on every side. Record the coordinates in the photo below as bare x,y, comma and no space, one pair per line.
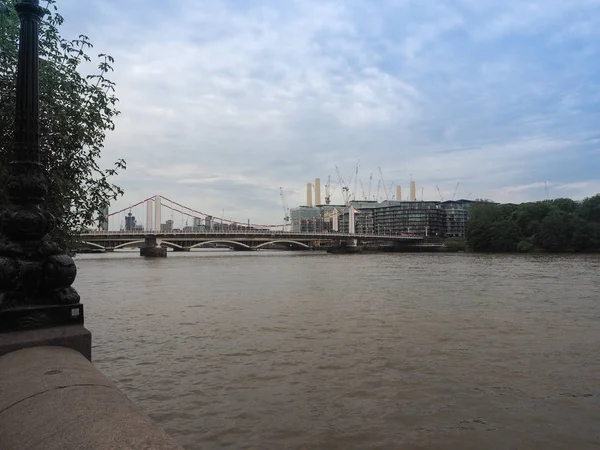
391,189
345,189
387,197
286,210
362,188
356,179
439,193
455,190
329,191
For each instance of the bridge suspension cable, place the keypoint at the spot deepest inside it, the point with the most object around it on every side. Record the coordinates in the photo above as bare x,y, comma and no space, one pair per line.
185,211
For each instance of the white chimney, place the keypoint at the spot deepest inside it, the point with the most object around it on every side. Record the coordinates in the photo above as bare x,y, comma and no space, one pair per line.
308,194
398,193
413,193
317,191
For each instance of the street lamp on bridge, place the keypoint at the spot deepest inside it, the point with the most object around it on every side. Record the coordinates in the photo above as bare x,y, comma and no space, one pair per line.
35,274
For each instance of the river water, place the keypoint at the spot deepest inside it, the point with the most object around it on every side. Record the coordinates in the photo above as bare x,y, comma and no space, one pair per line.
283,350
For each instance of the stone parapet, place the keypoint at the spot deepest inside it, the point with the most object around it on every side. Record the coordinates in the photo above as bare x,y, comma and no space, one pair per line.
53,398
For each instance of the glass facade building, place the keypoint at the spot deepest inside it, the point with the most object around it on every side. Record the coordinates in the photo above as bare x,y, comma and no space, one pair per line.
423,218
456,216
307,219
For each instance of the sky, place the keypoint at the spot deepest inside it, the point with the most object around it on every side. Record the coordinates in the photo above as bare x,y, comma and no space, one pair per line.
225,101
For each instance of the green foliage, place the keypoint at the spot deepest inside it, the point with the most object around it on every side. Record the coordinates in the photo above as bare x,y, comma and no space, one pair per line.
526,245
482,216
566,205
76,112
505,235
590,209
558,225
556,231
456,243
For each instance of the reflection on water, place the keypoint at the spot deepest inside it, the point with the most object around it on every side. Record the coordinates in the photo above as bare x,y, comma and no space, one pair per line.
277,350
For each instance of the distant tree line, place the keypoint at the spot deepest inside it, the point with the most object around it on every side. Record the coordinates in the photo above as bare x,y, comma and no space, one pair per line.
560,225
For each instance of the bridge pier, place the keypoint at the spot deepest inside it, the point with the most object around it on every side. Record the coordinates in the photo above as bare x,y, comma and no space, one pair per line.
152,248
153,252
345,246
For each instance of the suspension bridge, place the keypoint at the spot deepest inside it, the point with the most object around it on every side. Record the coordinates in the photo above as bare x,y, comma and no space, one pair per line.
123,229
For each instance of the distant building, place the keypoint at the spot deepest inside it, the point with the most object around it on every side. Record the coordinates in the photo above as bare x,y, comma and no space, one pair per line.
130,224
306,219
395,217
425,218
197,223
103,220
456,216
167,226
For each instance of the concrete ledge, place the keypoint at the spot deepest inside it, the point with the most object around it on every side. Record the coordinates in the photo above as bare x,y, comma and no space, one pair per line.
53,398
76,337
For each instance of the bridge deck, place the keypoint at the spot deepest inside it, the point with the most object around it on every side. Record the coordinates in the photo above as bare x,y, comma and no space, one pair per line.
242,239
112,235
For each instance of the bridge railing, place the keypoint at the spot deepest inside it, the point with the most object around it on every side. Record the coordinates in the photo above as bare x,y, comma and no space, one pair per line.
319,234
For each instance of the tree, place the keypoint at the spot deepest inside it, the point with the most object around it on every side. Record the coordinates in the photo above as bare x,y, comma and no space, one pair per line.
590,209
583,236
556,231
565,204
554,225
530,216
482,215
76,112
505,235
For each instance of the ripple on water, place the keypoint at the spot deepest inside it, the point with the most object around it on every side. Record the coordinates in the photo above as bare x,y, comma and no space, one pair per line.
311,351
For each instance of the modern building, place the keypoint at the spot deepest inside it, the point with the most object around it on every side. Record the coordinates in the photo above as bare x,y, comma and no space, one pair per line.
167,226
395,217
130,224
456,216
103,222
425,218
306,219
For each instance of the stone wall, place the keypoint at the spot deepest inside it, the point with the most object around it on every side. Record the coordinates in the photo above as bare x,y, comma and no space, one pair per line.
53,398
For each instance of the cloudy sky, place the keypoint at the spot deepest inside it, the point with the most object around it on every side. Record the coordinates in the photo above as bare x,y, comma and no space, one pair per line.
224,101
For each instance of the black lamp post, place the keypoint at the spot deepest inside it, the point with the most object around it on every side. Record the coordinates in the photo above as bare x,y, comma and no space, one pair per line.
35,274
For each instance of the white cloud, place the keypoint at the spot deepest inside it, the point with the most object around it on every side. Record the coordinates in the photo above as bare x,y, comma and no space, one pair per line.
224,103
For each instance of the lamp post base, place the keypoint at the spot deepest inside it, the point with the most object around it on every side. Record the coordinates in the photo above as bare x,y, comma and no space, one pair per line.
76,337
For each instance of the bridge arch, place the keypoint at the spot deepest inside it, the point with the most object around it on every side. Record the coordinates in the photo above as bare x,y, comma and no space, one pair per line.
283,241
221,241
93,245
127,244
171,245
